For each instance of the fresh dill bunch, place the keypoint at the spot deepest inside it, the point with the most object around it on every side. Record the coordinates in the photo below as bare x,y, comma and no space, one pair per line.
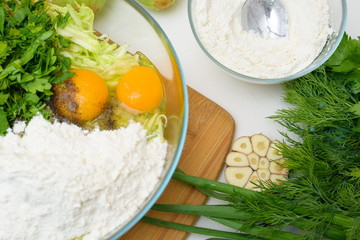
325,156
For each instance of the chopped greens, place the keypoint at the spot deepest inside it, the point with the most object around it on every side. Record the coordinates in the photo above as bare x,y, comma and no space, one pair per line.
321,148
29,61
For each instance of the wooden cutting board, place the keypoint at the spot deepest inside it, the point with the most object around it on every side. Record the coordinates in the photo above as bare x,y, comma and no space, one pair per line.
208,140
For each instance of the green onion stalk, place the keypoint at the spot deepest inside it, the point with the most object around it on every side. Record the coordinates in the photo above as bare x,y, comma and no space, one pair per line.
240,219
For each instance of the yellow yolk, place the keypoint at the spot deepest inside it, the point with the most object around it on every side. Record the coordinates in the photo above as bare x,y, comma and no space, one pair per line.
140,89
81,98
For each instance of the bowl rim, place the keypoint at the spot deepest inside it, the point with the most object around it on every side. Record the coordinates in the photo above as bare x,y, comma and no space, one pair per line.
180,146
250,79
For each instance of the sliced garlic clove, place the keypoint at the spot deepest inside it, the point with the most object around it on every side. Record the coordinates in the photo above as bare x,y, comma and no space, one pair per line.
237,159
254,178
253,160
277,178
276,168
238,176
273,152
260,144
264,162
243,145
264,174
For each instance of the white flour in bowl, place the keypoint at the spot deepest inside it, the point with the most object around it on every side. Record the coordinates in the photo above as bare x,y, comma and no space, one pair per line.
61,182
218,25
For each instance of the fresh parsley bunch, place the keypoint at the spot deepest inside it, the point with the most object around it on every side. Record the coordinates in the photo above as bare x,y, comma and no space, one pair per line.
29,60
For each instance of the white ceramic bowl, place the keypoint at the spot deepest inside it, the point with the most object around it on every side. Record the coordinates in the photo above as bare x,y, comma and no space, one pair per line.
337,19
126,22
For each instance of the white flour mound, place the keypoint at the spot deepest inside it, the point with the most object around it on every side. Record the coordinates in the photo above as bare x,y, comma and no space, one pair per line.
61,182
218,24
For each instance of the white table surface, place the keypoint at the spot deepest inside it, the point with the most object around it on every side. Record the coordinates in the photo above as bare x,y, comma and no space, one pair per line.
248,104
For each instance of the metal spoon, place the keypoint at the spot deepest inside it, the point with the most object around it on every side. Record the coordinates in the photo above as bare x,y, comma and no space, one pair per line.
265,17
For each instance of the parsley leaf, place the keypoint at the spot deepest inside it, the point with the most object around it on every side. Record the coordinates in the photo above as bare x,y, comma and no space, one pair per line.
355,108
346,58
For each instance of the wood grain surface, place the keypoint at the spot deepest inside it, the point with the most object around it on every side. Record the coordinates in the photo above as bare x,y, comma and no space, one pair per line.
208,140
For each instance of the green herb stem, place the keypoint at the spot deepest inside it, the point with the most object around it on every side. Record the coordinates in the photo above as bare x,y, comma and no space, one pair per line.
213,185
344,221
231,212
222,211
331,231
265,232
198,230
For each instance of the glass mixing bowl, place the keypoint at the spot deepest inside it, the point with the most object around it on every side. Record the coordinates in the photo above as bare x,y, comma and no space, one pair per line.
126,22
338,17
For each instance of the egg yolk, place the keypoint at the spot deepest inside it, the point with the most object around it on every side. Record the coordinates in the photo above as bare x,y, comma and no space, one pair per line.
81,98
140,89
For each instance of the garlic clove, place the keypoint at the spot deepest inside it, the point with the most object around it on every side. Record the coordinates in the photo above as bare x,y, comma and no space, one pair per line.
243,145
264,174
276,168
260,144
273,152
264,162
238,176
237,159
277,178
254,178
253,160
